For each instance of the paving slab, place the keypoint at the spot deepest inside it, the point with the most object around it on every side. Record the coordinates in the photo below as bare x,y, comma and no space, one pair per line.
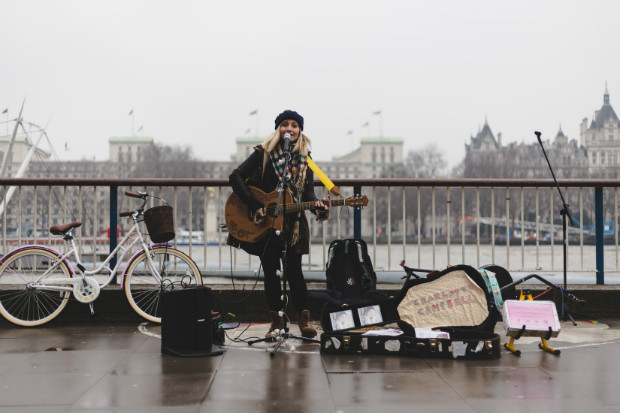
118,367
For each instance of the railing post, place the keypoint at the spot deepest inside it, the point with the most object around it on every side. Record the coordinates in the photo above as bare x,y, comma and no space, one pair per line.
113,225
600,239
357,214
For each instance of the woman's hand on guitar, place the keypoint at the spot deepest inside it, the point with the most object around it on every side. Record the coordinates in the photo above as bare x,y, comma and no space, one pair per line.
321,209
259,215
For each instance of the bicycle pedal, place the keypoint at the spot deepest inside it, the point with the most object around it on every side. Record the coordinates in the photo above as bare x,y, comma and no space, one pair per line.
92,309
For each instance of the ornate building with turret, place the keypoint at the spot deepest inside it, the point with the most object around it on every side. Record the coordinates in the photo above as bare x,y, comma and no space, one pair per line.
602,140
596,155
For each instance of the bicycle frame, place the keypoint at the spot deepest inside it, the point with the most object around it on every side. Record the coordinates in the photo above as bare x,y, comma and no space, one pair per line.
59,284
41,279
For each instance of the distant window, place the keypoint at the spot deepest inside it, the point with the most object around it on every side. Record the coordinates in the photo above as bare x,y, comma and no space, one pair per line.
594,158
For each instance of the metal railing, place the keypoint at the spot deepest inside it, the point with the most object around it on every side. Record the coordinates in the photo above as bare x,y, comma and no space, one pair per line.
435,223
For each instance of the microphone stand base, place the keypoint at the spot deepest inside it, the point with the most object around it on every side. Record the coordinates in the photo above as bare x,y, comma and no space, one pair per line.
280,340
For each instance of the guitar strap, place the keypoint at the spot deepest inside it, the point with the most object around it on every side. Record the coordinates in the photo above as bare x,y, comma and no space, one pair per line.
321,175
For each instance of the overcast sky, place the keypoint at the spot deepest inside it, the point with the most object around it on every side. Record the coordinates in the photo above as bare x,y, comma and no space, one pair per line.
193,71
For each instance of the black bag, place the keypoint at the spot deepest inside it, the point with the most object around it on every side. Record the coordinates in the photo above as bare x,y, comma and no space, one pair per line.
349,268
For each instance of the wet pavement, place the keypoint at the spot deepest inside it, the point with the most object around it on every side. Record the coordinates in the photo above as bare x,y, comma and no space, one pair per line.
114,367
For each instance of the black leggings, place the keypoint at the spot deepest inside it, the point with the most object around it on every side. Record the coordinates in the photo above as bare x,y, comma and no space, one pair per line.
294,277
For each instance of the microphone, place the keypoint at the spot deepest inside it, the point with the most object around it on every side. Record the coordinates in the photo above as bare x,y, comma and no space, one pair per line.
537,135
287,141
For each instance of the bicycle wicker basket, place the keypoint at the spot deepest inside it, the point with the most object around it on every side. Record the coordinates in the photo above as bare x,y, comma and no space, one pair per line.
159,223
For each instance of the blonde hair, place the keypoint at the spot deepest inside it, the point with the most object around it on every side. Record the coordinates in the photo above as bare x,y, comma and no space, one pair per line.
302,145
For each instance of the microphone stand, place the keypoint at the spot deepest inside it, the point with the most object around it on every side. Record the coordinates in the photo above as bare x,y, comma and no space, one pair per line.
566,216
285,334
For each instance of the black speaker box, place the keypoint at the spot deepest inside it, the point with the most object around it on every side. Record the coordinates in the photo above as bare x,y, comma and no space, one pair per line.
186,327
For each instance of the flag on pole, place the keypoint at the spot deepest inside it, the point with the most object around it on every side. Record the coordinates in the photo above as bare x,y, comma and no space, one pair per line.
5,111
247,131
131,112
140,128
377,112
365,124
350,132
254,112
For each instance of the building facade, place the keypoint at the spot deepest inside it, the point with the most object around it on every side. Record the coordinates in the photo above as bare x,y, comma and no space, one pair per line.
21,147
601,138
596,155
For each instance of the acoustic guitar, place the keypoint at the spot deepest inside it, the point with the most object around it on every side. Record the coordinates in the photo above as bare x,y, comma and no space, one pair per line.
239,217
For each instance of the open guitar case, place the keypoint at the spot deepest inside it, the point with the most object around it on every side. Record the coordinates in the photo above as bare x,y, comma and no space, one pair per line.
449,314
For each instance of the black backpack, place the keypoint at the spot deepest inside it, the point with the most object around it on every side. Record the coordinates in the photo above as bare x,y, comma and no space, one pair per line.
349,268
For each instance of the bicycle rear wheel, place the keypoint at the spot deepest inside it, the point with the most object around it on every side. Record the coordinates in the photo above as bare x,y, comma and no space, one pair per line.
143,289
20,302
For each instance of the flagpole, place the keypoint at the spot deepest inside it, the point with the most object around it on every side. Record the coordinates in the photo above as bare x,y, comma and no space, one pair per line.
255,113
380,113
366,125
133,134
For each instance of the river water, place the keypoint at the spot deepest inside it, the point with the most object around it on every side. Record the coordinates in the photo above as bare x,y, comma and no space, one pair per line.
545,260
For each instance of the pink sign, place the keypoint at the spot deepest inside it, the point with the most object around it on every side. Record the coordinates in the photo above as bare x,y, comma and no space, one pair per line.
536,316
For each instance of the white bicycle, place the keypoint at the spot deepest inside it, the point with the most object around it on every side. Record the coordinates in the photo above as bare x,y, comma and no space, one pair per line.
36,281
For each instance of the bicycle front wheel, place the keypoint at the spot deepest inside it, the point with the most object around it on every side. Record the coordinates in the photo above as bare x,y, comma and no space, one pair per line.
142,287
21,301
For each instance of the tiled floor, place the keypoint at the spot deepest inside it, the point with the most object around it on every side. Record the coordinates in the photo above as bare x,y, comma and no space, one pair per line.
119,367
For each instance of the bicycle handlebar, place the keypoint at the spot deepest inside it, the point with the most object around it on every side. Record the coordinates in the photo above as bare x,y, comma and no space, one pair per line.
141,195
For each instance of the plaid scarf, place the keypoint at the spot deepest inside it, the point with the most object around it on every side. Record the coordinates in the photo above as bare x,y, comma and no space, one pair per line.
296,178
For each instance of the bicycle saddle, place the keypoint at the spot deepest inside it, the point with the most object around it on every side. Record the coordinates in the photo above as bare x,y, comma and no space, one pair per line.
62,229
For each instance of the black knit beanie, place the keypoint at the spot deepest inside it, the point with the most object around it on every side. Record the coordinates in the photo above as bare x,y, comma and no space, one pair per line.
291,115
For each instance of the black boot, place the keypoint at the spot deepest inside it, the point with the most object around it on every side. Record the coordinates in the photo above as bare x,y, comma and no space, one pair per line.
305,326
277,323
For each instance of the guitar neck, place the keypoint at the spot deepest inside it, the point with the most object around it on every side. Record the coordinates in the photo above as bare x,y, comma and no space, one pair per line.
302,206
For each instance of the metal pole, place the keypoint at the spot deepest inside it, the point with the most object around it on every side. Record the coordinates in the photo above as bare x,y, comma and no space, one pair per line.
357,214
113,225
600,240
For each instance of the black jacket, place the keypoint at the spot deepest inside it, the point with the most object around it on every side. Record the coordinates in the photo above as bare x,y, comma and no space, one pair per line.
257,170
